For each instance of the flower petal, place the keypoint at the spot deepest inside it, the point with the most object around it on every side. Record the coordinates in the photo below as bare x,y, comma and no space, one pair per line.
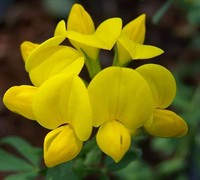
61,145
54,41
19,100
63,99
136,50
135,30
113,139
120,94
60,29
104,38
166,123
161,82
27,48
80,21
55,60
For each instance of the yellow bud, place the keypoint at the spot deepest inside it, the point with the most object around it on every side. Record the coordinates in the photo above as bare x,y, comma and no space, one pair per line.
166,124
113,139
19,100
61,145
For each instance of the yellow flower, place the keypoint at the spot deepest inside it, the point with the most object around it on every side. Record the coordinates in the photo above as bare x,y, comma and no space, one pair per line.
164,123
121,102
61,104
82,34
45,60
130,43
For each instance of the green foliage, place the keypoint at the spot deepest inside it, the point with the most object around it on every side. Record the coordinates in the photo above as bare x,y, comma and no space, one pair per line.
63,171
26,165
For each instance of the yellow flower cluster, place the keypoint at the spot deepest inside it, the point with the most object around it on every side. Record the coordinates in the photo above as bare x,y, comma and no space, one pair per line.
118,100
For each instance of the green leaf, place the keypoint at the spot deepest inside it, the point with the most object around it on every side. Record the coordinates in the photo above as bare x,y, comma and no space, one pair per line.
129,157
136,170
170,166
32,154
93,157
160,13
61,172
22,176
9,162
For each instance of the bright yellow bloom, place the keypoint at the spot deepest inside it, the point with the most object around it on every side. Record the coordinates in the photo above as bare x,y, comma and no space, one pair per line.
19,100
45,60
164,123
130,43
82,34
121,102
61,104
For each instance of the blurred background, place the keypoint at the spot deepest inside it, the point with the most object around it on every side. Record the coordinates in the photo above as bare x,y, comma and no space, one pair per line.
172,25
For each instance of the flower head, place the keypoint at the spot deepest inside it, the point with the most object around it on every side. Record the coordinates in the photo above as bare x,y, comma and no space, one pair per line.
125,103
118,100
61,104
82,33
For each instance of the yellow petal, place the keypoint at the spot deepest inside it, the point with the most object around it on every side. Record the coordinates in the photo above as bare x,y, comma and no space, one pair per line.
120,94
166,123
54,41
60,28
161,82
19,100
80,21
55,60
104,38
63,99
135,50
135,30
26,49
113,139
61,145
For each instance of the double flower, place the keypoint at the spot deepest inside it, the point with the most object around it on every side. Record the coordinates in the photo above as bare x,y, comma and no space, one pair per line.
118,100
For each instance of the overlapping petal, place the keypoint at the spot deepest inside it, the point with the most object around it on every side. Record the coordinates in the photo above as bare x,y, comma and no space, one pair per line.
120,94
127,49
104,37
130,43
135,30
61,145
161,82
19,100
80,21
29,49
114,139
26,48
54,60
63,99
60,29
166,123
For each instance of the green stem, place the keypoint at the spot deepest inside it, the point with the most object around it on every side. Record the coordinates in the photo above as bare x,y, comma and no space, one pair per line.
93,66
115,59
